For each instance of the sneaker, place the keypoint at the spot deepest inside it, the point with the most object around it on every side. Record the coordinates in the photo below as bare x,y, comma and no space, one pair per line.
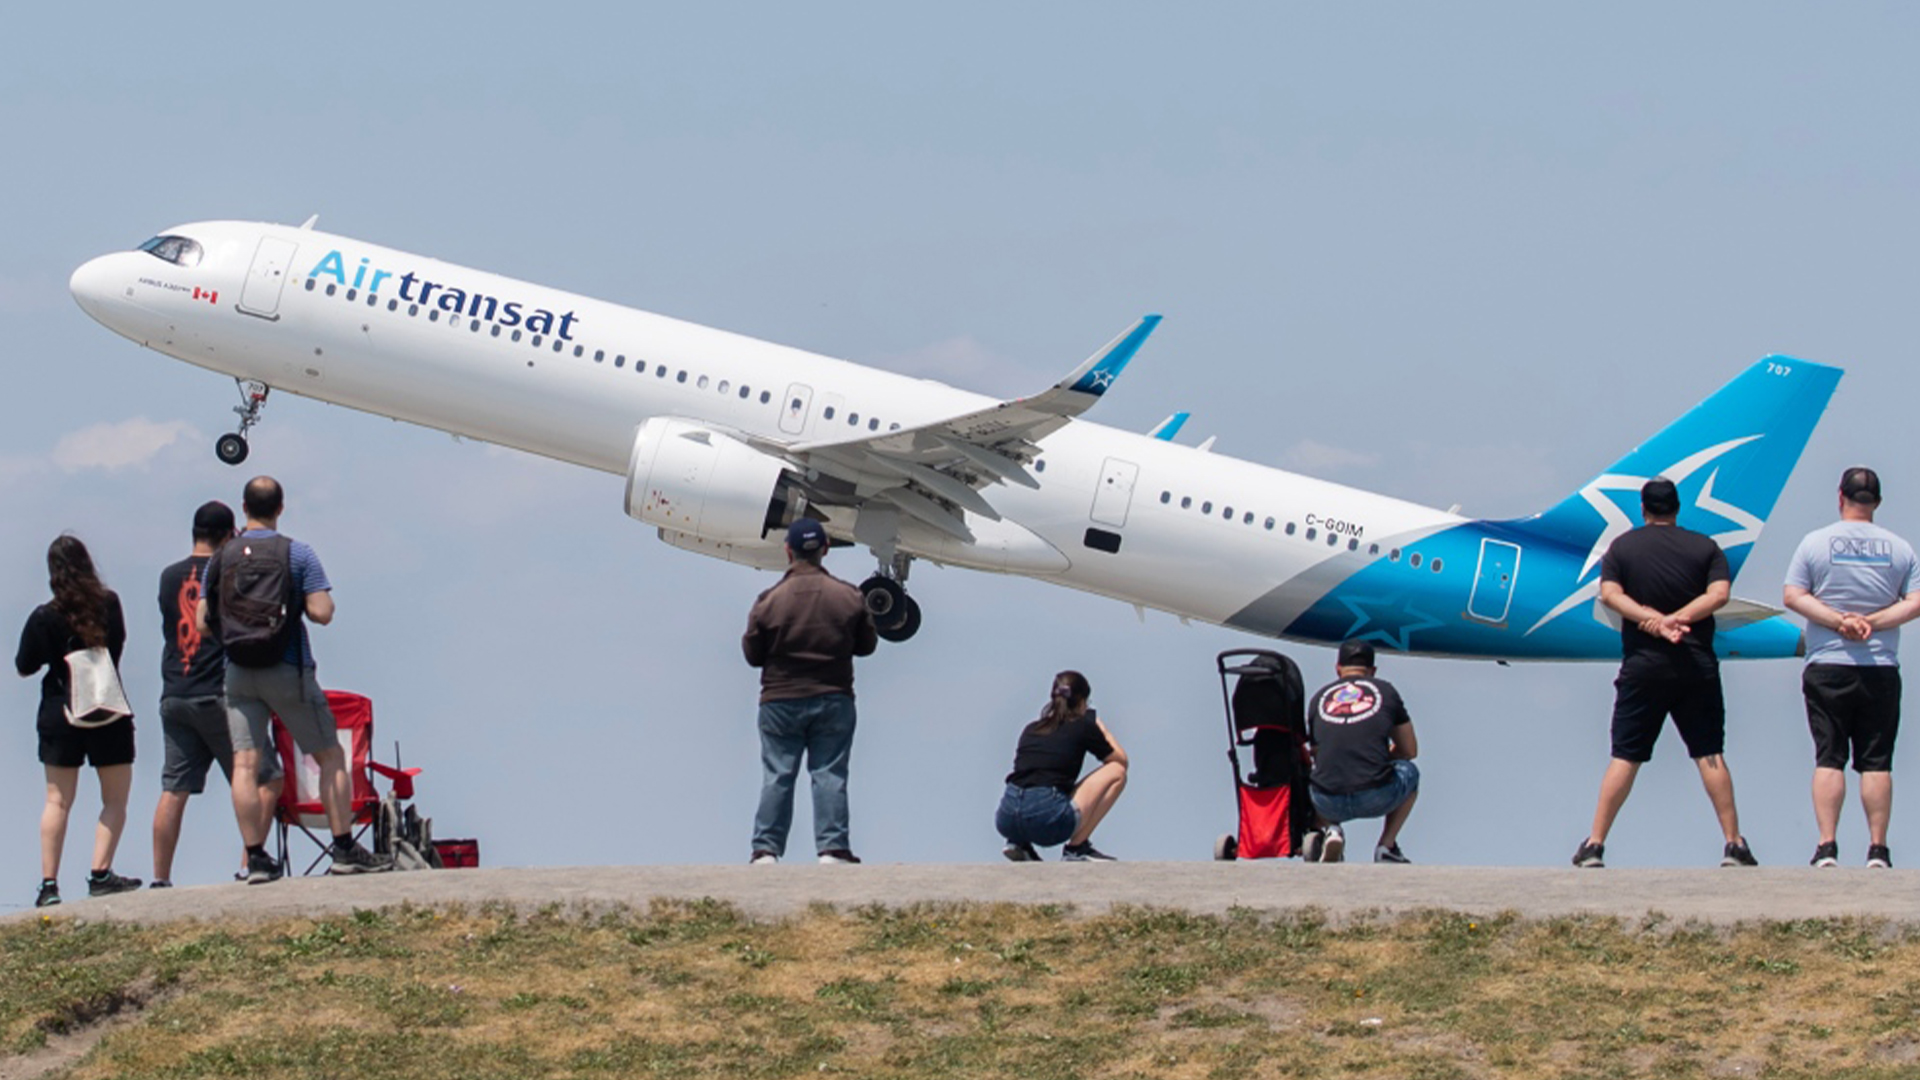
1021,852
1591,856
358,860
839,857
1334,847
1311,844
763,858
1084,853
49,893
160,883
1738,854
1827,854
106,883
1879,857
262,869
1389,853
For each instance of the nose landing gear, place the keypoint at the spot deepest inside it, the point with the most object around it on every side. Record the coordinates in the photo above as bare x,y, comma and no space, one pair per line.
895,614
232,447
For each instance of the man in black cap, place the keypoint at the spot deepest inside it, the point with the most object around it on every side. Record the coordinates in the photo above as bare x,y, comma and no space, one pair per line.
803,635
1855,583
1363,751
1666,582
193,700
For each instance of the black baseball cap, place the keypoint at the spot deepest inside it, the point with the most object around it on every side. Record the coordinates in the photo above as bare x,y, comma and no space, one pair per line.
1356,653
1862,485
806,536
1659,496
213,520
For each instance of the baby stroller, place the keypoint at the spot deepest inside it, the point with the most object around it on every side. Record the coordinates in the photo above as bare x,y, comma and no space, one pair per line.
1266,711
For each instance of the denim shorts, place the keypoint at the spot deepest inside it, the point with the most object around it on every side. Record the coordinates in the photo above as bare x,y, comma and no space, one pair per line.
1370,802
1041,816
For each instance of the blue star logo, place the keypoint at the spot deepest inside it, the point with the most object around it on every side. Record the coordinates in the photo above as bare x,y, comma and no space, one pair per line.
1390,620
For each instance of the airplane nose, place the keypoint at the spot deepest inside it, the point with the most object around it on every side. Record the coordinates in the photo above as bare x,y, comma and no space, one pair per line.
93,283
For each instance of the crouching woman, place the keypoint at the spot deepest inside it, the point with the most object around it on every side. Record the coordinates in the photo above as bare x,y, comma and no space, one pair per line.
1046,801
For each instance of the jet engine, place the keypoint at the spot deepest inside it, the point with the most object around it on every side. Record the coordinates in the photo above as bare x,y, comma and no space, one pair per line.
694,482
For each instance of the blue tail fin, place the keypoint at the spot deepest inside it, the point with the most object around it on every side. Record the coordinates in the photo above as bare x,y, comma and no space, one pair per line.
1730,455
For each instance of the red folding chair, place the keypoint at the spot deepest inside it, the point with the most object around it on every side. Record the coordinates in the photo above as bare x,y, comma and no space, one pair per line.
300,806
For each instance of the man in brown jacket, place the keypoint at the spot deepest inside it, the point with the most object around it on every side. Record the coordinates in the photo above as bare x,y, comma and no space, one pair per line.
803,635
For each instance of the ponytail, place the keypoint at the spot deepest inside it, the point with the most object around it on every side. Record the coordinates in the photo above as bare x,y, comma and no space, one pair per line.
1068,700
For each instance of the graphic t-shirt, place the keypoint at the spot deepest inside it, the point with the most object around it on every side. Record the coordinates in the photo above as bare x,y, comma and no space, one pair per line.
1854,567
1053,759
191,663
1352,721
1665,567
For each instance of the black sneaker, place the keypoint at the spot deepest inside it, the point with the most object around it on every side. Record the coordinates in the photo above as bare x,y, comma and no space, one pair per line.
1389,853
1021,852
839,857
1879,857
106,883
1311,844
1591,856
261,869
1738,854
1084,853
1827,854
49,893
160,883
1333,847
358,860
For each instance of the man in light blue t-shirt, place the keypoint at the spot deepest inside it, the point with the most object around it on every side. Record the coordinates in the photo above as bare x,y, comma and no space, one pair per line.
1855,583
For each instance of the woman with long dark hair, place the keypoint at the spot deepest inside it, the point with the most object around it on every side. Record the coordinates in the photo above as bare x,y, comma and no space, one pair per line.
1046,801
83,614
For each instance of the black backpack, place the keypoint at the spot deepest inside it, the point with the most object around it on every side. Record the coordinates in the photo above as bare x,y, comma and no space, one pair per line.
256,600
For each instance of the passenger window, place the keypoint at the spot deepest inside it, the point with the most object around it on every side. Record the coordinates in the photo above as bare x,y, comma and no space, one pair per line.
853,419
1312,533
1373,549
393,305
433,315
743,393
660,371
1186,502
535,341
558,344
1414,560
353,294
330,288
1436,565
767,395
310,284
873,425
1289,528
412,309
599,356
1166,497
579,350
516,335
372,300
682,377
1269,524
496,329
724,386
1394,555
1227,513
476,326
1207,507
621,361
825,414
1353,545
700,383
893,427
1039,466
1332,540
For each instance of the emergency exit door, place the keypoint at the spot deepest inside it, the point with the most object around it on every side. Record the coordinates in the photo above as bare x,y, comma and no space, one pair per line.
1114,496
266,277
1493,582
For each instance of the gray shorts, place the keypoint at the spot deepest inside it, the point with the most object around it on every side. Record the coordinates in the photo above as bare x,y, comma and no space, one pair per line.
197,738
254,695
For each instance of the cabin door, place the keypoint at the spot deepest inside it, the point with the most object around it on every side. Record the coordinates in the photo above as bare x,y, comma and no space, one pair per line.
1493,582
268,275
1114,496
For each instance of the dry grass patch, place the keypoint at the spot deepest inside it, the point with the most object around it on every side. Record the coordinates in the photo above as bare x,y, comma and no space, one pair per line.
692,989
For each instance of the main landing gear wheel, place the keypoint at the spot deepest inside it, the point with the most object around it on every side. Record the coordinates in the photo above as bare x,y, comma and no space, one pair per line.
230,448
895,614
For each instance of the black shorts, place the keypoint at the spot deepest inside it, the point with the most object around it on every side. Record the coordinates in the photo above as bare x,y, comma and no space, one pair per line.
69,747
1642,702
1852,707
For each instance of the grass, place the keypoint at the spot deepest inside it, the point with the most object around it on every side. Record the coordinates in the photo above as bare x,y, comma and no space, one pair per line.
695,989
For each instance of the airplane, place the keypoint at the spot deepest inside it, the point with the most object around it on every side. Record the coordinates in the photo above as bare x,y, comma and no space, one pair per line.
723,440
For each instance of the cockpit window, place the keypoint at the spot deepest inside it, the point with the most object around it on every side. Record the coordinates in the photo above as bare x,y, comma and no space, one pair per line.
175,249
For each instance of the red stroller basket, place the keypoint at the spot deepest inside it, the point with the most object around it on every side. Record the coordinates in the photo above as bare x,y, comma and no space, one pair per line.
1266,713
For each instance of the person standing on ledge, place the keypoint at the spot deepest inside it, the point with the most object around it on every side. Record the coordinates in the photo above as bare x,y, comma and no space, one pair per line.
803,635
1855,583
1666,582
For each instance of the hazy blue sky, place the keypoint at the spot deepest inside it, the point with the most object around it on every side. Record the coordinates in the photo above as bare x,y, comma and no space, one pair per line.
1461,254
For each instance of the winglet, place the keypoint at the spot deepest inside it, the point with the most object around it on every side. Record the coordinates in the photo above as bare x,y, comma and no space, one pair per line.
1166,429
1103,367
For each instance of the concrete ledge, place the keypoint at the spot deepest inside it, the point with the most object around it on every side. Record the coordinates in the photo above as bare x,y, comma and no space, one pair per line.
1708,895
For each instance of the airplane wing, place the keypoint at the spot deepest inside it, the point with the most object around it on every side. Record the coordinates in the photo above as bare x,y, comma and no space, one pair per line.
931,471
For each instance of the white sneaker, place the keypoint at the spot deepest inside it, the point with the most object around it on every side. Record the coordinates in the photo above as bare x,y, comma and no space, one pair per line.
839,857
763,858
1334,848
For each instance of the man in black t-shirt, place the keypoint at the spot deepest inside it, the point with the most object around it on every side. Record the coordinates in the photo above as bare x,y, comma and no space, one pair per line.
193,703
1665,582
1363,751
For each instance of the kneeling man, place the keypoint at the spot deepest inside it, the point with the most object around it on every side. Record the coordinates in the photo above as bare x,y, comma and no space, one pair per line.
1363,750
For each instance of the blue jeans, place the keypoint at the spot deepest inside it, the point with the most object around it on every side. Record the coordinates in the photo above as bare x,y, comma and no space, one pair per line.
1370,802
1041,816
822,728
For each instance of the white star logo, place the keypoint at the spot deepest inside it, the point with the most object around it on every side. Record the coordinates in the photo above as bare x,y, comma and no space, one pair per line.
1616,519
1102,378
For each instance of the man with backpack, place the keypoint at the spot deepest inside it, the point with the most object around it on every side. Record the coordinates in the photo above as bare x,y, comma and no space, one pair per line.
258,587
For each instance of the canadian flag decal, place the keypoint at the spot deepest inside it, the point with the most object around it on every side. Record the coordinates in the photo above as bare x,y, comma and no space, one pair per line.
209,295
